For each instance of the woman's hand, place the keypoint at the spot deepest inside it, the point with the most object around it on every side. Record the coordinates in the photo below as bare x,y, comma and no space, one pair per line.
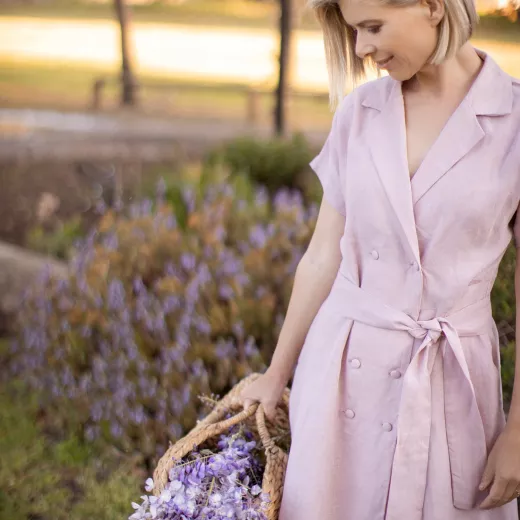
267,390
502,470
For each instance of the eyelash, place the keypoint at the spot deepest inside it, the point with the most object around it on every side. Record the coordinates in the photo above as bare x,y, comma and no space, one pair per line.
376,29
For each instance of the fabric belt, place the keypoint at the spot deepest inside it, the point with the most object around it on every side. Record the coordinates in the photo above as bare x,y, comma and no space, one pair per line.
464,427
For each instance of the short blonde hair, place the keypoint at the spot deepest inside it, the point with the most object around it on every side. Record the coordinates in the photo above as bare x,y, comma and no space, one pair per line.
343,65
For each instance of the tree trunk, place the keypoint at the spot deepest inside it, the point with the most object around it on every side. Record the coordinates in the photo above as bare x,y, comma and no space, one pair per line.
286,18
128,85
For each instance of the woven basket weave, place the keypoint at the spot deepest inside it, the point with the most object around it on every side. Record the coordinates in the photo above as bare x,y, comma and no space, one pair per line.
254,418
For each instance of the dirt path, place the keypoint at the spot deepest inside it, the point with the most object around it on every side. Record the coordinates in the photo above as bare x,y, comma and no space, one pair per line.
29,135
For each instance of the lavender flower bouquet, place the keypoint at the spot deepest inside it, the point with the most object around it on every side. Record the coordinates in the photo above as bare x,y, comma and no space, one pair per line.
212,484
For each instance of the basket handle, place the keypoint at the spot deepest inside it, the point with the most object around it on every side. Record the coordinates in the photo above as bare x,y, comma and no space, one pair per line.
265,436
255,408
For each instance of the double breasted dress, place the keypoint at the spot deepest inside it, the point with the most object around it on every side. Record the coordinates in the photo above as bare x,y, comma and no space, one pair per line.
396,399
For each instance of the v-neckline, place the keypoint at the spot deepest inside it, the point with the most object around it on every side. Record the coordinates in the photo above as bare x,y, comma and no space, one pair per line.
404,131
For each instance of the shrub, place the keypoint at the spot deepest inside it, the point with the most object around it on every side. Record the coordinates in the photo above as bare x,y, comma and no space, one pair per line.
56,242
504,312
274,163
155,313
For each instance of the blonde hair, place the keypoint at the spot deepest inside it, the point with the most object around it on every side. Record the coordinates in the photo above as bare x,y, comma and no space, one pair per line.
343,65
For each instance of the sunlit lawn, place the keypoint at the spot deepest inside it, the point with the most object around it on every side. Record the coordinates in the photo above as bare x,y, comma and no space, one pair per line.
56,86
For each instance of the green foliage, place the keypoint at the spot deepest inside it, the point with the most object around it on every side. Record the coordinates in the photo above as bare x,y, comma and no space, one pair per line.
42,479
274,163
504,312
503,294
508,357
72,451
59,241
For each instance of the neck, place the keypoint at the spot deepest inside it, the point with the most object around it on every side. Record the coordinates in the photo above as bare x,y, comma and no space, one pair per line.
438,80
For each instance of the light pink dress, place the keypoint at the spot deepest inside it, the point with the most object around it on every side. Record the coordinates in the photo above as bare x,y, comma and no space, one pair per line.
396,400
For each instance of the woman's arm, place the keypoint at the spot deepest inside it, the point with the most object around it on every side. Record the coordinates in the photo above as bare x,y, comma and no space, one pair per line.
313,281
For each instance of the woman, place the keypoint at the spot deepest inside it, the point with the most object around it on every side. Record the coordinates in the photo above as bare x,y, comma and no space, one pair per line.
396,404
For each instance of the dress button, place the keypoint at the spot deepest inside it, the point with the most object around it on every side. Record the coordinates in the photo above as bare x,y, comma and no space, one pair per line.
355,363
350,414
395,374
375,254
416,266
387,427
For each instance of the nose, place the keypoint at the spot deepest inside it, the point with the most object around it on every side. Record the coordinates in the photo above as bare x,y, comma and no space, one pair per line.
363,46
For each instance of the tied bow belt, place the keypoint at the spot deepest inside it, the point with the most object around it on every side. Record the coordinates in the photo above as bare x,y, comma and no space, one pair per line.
464,428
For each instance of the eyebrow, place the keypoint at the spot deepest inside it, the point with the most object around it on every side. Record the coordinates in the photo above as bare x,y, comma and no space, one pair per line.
364,23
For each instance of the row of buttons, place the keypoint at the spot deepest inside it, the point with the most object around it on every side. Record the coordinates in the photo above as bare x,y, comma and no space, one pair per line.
415,265
386,425
396,374
356,363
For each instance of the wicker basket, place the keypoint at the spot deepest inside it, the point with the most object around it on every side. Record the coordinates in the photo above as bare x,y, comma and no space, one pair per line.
254,418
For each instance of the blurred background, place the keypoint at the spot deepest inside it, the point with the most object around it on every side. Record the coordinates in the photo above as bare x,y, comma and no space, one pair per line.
155,199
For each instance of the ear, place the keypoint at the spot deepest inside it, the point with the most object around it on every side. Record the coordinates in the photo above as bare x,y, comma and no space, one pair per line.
436,10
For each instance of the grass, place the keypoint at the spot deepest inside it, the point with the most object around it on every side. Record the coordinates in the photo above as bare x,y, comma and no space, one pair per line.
54,86
499,29
48,478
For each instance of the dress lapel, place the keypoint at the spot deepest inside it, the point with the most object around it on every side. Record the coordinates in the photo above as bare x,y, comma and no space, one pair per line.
490,94
461,133
387,144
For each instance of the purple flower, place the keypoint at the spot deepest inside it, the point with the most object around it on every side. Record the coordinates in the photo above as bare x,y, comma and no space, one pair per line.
258,236
226,292
214,487
188,261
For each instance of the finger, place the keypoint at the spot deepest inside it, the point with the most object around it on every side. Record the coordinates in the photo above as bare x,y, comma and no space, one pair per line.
510,491
487,477
495,494
268,412
247,403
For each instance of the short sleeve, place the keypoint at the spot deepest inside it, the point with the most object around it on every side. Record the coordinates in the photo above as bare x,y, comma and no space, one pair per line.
329,163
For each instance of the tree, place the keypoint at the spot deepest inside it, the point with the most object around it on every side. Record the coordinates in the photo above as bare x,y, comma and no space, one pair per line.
512,10
286,23
128,83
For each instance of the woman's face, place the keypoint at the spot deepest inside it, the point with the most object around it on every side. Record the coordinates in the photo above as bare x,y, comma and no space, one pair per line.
398,39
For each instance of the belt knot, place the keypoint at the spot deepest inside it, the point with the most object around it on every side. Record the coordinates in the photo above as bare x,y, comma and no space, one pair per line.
431,328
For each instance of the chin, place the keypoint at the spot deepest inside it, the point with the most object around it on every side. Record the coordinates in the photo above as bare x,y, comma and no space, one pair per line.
400,75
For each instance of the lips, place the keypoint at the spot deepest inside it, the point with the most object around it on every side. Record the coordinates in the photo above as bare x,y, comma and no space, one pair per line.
383,63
